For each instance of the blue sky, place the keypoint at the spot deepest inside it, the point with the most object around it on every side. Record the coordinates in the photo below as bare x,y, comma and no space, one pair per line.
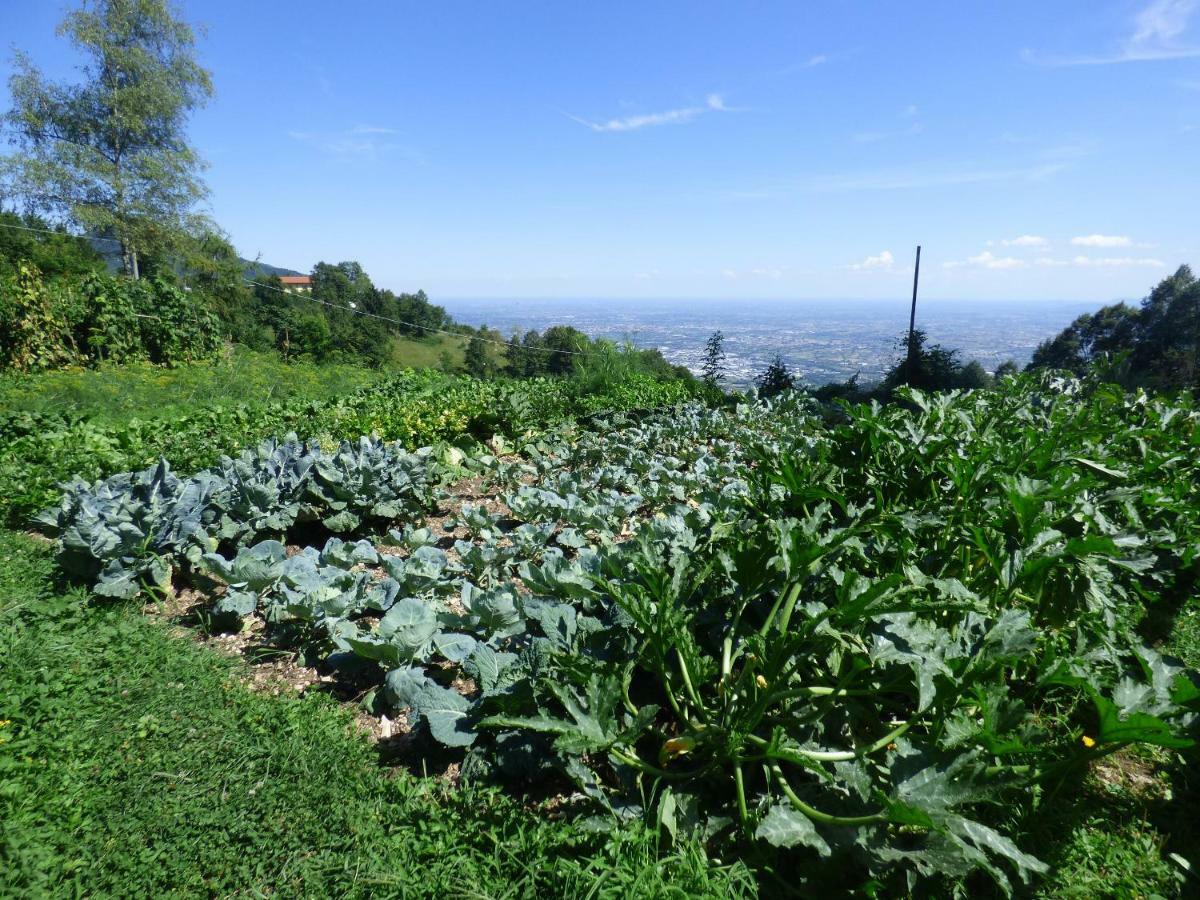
693,149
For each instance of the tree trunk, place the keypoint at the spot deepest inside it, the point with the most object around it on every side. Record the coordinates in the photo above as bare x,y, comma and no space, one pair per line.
129,261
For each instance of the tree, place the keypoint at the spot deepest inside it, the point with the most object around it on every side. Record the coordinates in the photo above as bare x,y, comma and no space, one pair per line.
929,368
1156,345
562,344
476,360
1167,350
1005,369
24,239
973,376
110,153
713,368
1107,332
775,378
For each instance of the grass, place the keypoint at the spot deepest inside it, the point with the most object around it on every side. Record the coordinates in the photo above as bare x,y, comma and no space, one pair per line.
446,352
1115,832
115,394
134,762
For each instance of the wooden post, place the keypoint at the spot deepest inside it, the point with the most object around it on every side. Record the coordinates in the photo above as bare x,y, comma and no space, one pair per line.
912,321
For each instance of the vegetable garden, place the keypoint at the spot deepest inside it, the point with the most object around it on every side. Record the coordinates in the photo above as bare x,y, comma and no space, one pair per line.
840,646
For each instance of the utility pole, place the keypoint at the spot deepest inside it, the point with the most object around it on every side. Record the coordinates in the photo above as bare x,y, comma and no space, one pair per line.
912,321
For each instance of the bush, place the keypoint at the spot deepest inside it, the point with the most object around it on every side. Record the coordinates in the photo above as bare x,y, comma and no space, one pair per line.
50,324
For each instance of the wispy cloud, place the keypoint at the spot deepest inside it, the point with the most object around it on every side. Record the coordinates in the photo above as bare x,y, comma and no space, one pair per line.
1101,240
1102,262
772,273
1024,240
883,261
986,260
1117,262
1155,34
914,127
359,142
929,178
895,180
712,103
813,61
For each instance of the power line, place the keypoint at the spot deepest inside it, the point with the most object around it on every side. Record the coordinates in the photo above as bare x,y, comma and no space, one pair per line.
59,233
301,296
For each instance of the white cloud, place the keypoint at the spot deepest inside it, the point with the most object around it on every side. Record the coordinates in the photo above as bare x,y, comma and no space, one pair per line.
1101,240
1155,35
987,260
1100,262
902,180
772,272
871,137
884,261
819,60
1162,22
361,142
874,137
1116,262
712,103
1025,240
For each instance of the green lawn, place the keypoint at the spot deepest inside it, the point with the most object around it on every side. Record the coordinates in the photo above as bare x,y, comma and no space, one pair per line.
136,763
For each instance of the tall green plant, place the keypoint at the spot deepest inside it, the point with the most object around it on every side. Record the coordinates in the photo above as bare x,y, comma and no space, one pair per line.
110,152
35,332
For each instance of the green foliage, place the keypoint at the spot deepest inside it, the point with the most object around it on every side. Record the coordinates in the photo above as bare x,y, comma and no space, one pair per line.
111,152
115,394
1156,345
225,791
477,361
837,648
1091,336
54,255
775,378
345,319
713,368
859,655
101,318
34,331
1005,369
38,450
930,367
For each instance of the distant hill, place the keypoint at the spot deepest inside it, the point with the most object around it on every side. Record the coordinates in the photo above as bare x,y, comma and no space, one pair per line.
261,268
252,268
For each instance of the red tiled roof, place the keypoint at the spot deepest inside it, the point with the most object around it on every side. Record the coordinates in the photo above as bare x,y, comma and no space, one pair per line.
296,279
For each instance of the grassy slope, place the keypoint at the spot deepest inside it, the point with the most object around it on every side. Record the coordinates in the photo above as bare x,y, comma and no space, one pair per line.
118,393
136,763
427,352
